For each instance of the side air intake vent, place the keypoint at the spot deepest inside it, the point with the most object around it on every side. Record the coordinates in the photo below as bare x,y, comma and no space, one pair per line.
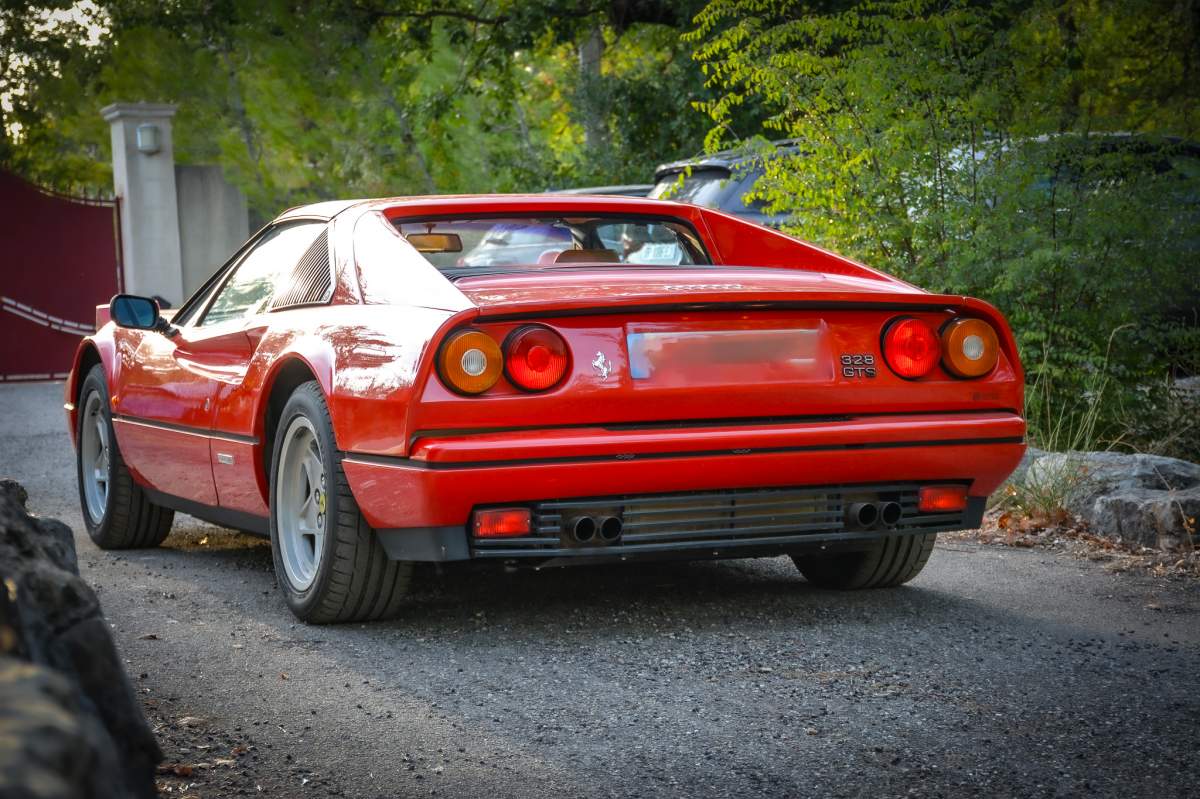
310,282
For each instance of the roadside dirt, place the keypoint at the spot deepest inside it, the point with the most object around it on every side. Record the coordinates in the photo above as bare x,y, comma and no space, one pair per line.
1069,535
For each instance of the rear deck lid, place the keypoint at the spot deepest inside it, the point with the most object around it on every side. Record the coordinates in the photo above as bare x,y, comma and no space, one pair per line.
592,287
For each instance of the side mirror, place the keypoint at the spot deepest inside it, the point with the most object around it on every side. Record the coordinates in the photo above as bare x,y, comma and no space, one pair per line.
138,313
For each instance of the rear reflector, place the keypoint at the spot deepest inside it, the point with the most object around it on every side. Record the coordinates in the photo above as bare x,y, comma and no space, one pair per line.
501,522
940,499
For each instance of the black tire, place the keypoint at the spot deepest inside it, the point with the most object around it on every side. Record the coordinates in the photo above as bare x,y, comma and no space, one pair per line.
130,520
892,561
355,580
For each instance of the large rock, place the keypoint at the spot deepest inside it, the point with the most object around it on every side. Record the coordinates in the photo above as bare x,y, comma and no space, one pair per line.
50,746
1189,386
1144,500
70,724
1032,455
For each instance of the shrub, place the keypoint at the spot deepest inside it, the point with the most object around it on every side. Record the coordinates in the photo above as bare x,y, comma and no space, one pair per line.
982,149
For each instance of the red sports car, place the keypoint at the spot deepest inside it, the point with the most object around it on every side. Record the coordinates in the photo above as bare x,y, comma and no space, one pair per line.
544,380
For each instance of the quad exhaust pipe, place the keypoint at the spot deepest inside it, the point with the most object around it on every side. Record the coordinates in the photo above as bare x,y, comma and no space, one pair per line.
869,515
610,529
862,515
586,529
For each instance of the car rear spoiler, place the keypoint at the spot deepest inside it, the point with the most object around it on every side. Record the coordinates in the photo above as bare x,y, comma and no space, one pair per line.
716,300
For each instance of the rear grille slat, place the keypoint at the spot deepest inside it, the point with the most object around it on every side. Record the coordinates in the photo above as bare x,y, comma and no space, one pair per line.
934,519
679,535
517,541
729,518
653,500
800,518
638,513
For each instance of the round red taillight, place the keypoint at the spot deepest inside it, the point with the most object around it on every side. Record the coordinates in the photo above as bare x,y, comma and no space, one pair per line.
535,358
911,348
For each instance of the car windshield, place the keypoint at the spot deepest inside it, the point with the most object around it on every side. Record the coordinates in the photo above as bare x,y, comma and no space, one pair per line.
528,244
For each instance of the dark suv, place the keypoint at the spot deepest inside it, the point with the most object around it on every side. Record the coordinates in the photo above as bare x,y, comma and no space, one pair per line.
720,181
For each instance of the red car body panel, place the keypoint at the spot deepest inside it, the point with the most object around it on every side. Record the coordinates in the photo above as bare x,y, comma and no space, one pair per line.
395,495
191,411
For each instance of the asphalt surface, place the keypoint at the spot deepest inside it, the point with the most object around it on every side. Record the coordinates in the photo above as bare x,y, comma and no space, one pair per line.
997,672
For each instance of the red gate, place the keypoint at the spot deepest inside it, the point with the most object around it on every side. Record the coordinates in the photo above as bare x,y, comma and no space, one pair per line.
62,258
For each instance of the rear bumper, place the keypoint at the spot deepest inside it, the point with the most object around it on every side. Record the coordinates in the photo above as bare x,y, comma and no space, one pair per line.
706,524
427,498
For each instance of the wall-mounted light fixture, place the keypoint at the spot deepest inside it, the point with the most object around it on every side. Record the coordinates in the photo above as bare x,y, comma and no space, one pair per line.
149,138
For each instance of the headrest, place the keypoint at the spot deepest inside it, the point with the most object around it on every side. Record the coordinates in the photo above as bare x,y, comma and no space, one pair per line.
587,257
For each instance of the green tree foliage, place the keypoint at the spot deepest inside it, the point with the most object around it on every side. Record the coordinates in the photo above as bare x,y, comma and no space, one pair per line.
1025,151
310,100
1017,151
45,64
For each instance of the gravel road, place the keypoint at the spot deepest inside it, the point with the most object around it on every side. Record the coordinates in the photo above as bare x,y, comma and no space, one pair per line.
998,672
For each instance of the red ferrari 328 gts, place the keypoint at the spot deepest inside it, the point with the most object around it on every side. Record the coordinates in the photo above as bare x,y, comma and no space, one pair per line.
544,381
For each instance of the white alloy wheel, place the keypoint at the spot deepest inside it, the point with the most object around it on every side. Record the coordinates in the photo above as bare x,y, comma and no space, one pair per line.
301,500
94,467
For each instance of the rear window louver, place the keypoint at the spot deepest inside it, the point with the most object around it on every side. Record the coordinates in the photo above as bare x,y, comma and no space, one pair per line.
310,282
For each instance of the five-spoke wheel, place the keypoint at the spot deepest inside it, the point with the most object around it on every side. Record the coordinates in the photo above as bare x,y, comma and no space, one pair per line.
116,511
94,463
301,500
328,561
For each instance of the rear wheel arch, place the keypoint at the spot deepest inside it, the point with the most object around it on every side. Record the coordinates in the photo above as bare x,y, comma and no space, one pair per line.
289,375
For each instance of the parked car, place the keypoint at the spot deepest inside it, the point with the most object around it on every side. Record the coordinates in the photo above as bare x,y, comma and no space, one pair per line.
625,190
721,181
705,388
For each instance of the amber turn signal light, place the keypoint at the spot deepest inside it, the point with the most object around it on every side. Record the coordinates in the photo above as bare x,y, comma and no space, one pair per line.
502,522
470,361
970,347
941,499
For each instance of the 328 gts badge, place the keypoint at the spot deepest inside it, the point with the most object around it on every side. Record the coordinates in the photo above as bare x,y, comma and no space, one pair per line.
858,365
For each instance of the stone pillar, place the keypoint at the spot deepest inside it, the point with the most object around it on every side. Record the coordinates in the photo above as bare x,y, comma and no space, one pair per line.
144,181
213,221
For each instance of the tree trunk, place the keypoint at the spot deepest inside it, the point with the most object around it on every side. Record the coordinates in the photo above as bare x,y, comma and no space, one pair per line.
591,105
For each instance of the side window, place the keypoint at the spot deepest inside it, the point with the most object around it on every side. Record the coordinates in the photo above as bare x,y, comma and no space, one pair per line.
193,306
264,271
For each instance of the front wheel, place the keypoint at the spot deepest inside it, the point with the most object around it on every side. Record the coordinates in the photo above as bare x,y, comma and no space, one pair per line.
891,561
328,561
116,511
